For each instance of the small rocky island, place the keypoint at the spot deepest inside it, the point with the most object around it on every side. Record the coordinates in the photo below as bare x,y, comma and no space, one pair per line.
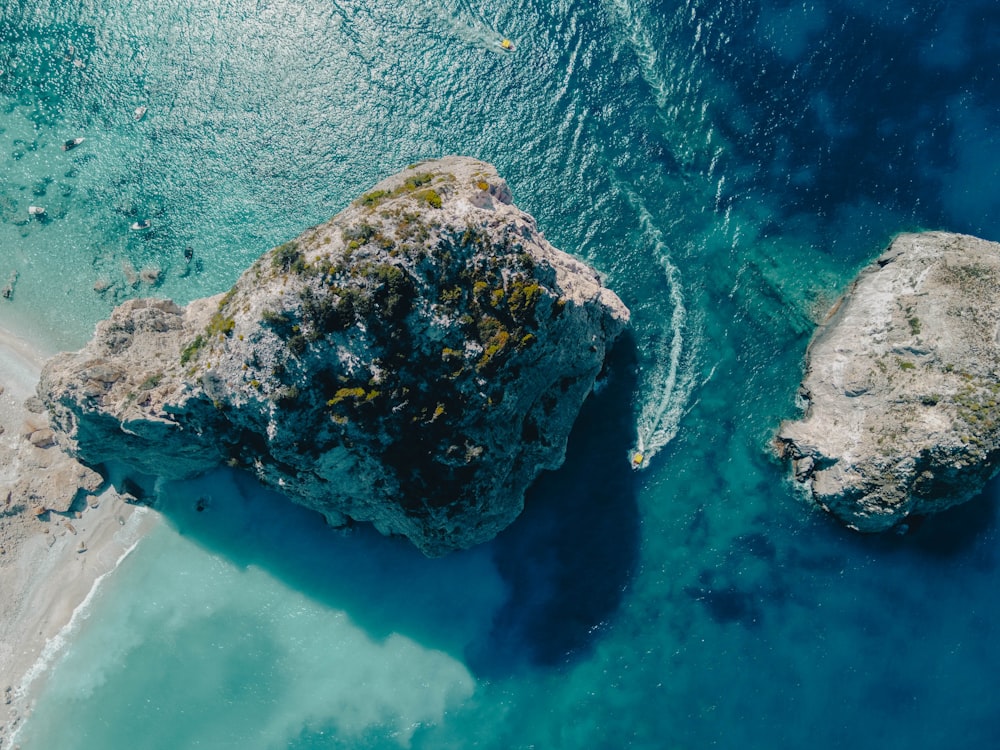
414,362
902,386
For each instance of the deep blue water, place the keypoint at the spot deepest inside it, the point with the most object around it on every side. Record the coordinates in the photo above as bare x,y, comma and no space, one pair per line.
728,167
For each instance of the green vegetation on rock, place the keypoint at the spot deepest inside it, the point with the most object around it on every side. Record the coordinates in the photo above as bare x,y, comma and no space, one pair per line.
191,350
431,197
288,257
220,325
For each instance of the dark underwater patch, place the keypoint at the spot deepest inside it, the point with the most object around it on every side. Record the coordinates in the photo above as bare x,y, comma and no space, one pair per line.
569,557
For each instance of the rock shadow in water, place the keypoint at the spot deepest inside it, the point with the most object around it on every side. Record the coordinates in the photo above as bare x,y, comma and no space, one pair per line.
757,573
957,532
537,593
385,586
568,558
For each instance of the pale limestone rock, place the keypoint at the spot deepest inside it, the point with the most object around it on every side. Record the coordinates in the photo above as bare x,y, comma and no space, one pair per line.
902,386
46,478
414,362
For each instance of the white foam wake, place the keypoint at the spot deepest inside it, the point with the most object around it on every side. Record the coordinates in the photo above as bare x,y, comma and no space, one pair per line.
55,645
646,52
668,375
674,80
670,353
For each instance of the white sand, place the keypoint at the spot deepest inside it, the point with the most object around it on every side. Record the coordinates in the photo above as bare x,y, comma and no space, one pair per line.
45,574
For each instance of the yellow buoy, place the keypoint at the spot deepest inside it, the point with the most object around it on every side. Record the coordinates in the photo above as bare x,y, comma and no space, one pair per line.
507,44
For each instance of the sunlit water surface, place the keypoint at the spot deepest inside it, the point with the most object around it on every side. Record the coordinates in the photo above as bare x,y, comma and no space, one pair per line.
727,166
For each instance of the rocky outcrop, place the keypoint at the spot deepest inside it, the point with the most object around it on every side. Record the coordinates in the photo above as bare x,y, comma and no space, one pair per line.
42,479
413,362
902,385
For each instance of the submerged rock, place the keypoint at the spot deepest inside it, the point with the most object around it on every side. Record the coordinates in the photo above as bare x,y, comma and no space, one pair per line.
902,385
414,362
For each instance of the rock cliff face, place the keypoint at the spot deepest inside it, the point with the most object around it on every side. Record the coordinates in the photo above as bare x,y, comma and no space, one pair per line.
902,386
413,362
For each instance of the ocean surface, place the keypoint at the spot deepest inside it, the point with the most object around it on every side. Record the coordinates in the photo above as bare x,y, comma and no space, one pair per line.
727,166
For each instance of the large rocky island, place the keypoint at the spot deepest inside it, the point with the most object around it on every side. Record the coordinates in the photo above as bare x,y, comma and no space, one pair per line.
902,386
414,362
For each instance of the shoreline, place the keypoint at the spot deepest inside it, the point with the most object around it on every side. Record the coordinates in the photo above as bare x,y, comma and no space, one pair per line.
55,550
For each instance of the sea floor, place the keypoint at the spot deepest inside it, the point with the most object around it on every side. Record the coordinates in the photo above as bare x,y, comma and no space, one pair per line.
728,168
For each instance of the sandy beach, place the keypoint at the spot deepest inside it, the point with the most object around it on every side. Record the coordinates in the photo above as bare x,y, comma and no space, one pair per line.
51,553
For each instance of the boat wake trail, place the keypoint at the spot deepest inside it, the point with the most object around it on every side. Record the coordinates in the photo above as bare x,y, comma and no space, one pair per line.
468,26
675,79
668,374
675,73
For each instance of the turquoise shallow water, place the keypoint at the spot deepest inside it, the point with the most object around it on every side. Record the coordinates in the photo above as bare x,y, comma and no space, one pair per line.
729,168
